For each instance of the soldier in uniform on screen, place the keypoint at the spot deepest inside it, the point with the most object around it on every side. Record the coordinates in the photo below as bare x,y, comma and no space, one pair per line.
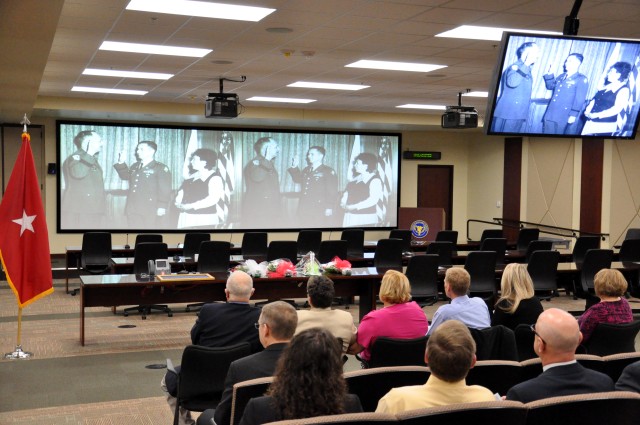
512,107
318,191
567,100
83,200
149,193
261,202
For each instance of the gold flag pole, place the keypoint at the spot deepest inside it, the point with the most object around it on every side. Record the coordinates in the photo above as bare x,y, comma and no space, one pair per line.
18,353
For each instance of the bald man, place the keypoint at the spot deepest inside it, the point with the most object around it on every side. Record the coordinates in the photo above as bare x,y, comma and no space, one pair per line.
557,337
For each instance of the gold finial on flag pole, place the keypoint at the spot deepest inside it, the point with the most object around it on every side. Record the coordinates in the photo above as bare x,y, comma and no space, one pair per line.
25,122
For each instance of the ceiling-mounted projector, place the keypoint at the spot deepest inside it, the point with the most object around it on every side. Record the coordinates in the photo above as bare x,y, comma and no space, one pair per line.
221,105
460,117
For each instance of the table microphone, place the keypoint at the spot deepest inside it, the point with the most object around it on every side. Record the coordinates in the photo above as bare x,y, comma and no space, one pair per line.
127,246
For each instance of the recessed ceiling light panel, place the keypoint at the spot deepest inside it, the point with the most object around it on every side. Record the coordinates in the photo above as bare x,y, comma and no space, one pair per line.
279,99
327,86
419,106
201,9
154,49
474,32
126,74
395,66
110,91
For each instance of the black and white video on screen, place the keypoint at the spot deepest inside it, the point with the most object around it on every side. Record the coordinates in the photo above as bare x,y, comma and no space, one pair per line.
135,178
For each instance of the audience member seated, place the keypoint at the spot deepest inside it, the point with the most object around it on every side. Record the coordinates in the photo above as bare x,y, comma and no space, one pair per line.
517,303
320,292
630,378
557,336
450,354
308,382
276,326
221,325
399,318
473,312
610,286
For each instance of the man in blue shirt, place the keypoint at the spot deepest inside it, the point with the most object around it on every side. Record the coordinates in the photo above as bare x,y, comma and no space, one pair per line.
473,312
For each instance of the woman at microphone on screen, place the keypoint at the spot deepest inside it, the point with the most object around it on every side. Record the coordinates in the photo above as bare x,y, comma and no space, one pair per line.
362,194
199,195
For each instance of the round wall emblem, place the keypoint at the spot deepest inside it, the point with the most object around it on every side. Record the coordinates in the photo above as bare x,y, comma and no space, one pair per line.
419,229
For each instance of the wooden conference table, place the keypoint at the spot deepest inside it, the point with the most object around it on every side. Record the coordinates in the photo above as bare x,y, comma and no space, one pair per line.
114,290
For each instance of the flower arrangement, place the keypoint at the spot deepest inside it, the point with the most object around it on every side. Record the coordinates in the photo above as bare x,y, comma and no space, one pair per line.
308,265
281,268
253,268
338,266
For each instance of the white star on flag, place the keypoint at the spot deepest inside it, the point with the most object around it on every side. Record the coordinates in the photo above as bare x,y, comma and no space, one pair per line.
25,222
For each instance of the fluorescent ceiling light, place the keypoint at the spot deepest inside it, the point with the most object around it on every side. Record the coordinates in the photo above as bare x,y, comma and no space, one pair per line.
154,49
418,106
473,32
329,86
111,91
476,94
201,9
279,99
126,74
395,66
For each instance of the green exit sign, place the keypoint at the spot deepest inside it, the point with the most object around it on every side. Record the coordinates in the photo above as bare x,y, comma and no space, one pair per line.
428,156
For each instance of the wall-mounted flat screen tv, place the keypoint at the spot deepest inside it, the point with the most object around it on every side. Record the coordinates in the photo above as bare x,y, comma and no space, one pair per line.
562,86
138,178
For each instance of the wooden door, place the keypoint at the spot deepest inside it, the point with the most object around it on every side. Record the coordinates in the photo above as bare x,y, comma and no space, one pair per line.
435,189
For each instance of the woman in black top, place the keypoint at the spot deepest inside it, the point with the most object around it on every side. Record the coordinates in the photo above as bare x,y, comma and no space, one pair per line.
517,303
308,382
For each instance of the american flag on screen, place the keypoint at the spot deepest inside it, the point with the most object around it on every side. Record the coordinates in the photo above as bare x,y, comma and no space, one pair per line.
227,171
386,175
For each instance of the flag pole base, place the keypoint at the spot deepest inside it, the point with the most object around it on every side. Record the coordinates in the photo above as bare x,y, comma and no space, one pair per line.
18,354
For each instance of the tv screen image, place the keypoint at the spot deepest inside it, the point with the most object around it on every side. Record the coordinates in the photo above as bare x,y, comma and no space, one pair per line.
135,178
565,86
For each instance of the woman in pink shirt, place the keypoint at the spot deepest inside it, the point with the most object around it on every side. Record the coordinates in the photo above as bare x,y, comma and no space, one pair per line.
399,318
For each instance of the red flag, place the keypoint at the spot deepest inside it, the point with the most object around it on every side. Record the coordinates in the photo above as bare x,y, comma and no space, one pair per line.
24,240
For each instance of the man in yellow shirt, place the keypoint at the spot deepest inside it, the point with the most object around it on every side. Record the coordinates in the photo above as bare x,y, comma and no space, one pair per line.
450,354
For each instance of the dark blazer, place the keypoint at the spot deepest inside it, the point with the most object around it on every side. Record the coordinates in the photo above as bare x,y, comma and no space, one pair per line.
630,378
527,313
261,410
257,365
225,324
561,380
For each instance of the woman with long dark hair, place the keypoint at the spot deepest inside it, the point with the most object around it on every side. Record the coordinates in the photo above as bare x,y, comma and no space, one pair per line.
308,382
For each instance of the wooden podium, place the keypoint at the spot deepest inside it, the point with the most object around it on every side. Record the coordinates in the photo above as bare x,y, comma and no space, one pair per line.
433,218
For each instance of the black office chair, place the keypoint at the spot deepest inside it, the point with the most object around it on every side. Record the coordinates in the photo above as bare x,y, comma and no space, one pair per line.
537,245
422,272
497,245
630,250
355,239
632,234
447,236
254,244
481,266
526,235
388,254
397,352
192,243
147,237
524,342
282,250
612,338
95,257
202,374
309,240
594,261
491,233
543,269
144,252
405,235
330,249
214,257
582,245
444,250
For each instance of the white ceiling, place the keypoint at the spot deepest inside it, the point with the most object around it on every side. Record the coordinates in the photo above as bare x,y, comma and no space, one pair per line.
46,45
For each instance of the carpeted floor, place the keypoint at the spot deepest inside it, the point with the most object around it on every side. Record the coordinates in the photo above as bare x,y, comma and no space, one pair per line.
108,380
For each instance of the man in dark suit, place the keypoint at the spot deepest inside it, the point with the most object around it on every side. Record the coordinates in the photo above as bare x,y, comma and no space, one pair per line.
221,325
276,326
630,378
557,336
